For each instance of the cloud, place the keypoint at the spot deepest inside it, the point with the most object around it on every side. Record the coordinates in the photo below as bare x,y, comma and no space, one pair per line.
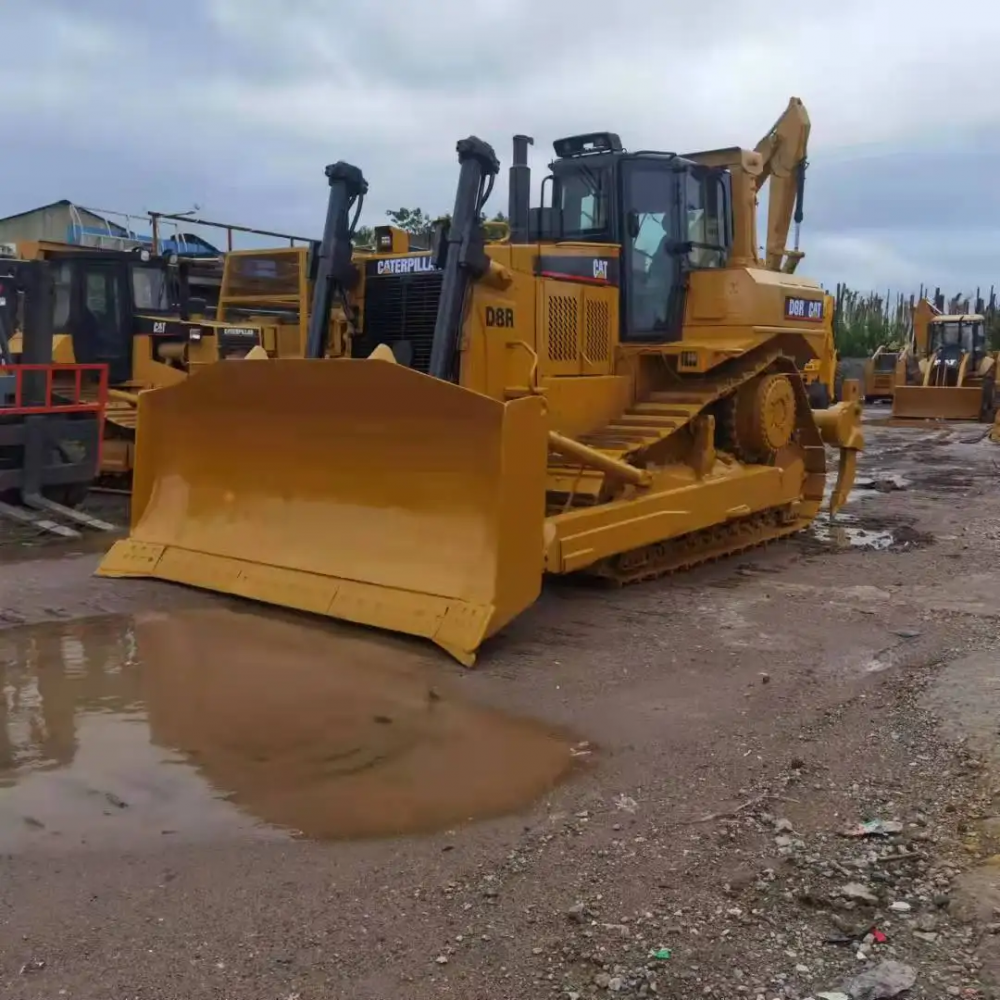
239,104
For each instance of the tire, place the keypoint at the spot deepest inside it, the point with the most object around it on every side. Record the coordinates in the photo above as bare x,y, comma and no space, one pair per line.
69,495
839,375
988,409
819,396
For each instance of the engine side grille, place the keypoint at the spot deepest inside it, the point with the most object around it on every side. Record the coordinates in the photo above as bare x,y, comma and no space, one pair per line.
400,308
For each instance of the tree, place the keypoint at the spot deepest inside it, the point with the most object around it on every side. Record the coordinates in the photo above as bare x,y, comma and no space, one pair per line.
414,221
420,225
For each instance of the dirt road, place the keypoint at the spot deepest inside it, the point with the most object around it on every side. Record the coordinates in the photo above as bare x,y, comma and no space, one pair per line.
671,772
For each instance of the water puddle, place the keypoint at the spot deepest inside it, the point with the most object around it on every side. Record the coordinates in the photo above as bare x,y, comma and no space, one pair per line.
842,535
881,483
114,730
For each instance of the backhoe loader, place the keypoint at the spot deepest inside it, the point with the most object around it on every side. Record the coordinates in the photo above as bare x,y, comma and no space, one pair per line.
951,374
616,390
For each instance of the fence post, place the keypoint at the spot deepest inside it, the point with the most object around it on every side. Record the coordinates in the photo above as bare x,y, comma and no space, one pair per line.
36,280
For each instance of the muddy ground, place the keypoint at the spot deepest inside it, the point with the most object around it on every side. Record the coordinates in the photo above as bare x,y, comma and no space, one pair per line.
675,765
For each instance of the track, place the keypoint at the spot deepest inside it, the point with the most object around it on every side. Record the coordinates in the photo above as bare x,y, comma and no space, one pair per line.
699,547
642,431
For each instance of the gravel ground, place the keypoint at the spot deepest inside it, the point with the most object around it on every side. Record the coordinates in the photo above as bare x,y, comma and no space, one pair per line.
742,720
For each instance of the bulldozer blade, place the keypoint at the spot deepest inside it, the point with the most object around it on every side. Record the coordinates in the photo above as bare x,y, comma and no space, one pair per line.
357,489
930,402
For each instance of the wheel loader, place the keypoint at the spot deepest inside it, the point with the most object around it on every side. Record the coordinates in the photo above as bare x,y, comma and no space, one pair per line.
614,391
881,372
951,374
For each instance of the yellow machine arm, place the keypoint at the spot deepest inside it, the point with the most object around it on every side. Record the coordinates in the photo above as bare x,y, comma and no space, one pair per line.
924,312
783,155
780,157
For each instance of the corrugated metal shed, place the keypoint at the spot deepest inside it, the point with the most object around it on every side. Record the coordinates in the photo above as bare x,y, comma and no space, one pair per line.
65,222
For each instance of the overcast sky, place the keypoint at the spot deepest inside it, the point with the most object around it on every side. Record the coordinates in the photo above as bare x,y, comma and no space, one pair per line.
237,105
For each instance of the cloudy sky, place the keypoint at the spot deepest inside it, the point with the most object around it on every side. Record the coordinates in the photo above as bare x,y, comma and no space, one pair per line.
237,105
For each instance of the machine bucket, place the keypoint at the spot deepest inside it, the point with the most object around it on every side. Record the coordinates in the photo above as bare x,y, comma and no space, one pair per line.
931,402
357,489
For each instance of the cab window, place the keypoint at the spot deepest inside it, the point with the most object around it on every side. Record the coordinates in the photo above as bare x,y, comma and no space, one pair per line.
705,205
149,289
62,281
653,279
583,197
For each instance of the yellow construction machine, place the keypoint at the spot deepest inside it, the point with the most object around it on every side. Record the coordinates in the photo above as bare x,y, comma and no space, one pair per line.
820,373
615,390
882,370
131,311
951,374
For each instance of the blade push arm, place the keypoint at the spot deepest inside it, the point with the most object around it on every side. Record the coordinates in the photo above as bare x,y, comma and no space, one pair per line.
348,188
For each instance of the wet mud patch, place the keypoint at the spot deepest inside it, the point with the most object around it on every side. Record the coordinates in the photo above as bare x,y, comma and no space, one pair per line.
207,723
946,481
887,483
850,532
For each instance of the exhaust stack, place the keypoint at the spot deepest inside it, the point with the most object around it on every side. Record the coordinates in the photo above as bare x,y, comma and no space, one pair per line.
519,199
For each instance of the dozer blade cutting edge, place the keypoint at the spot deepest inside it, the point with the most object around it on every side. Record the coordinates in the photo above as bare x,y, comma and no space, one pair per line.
358,489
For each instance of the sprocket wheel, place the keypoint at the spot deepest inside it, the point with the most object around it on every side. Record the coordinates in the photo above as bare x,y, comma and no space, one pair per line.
762,417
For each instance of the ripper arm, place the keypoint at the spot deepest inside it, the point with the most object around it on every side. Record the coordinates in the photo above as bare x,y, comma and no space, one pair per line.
840,427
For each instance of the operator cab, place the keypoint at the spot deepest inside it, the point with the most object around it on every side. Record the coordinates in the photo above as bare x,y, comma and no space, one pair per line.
952,337
885,362
102,300
669,215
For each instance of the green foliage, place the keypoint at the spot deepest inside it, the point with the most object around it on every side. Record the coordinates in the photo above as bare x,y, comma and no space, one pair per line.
419,224
864,320
414,221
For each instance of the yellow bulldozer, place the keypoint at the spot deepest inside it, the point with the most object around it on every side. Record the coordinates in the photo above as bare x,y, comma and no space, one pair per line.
615,390
951,374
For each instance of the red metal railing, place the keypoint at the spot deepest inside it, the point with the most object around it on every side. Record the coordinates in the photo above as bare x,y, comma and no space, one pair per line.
67,381
67,390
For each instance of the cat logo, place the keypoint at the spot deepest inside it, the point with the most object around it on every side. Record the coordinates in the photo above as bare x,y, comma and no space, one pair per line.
601,270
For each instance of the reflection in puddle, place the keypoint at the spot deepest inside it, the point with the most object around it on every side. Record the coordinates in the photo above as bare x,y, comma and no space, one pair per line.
115,729
843,535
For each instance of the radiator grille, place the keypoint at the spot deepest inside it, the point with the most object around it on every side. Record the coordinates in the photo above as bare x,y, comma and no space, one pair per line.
562,328
597,331
400,309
